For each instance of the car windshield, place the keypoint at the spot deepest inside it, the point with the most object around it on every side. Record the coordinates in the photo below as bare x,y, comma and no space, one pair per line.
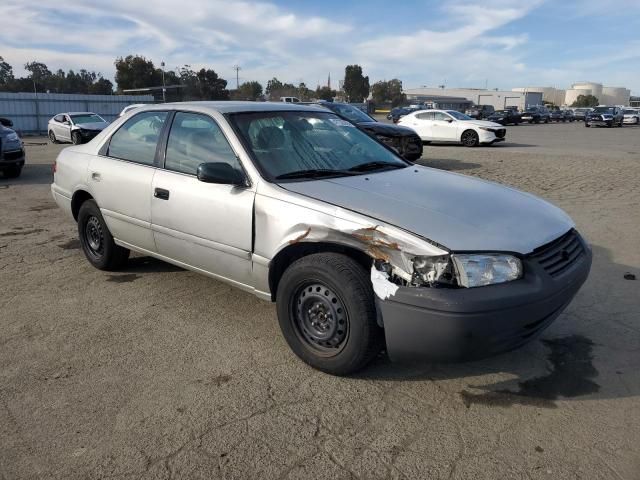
458,115
86,118
294,144
350,113
603,110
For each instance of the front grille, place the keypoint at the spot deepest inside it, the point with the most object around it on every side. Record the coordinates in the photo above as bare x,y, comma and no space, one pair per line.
557,256
16,155
500,133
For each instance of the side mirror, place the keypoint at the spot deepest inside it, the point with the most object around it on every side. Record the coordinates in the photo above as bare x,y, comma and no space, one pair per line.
220,172
449,120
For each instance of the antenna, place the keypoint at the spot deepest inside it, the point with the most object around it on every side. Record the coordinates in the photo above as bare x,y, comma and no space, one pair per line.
237,68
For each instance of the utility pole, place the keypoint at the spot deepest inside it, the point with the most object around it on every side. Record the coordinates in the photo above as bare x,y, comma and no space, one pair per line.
164,96
237,68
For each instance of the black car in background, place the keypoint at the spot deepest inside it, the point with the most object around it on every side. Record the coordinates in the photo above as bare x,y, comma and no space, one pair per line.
505,117
536,115
568,115
480,112
580,113
604,117
398,112
557,116
12,155
404,140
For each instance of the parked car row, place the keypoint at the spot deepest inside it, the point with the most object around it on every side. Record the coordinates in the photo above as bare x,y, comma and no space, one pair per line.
12,156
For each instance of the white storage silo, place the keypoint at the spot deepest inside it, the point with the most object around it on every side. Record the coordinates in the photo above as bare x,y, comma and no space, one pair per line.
615,96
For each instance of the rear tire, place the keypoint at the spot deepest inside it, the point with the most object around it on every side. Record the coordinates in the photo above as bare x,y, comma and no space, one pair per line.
470,138
327,314
96,240
12,172
52,137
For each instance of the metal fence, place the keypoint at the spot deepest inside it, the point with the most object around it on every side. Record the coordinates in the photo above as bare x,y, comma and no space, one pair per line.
30,112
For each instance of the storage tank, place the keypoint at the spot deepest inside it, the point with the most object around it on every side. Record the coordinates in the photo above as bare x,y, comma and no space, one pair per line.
549,94
573,94
593,87
615,96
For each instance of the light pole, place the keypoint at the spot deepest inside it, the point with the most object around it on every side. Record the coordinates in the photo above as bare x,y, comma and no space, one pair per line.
164,97
237,68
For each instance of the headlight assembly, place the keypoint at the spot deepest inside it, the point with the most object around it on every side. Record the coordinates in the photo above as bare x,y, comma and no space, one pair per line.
476,270
466,270
12,137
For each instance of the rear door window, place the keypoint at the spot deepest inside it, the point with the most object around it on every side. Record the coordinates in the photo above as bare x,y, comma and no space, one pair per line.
137,139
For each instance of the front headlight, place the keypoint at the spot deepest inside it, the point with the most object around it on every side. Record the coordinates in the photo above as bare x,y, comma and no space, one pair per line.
476,270
12,137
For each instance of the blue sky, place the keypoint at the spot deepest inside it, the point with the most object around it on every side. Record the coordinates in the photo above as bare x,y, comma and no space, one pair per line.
459,43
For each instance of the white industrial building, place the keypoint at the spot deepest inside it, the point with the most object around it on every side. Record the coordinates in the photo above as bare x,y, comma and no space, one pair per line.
605,95
499,99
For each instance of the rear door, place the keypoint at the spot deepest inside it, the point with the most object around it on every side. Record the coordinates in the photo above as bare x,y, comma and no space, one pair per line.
204,225
422,123
121,177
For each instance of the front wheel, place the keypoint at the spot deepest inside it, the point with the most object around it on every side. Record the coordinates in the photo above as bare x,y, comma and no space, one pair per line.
326,311
76,139
470,138
96,240
586,124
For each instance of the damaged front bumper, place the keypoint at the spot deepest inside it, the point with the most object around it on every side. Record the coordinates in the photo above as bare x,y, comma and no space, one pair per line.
454,324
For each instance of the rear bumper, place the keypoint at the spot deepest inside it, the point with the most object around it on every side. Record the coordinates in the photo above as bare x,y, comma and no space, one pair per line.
13,158
464,324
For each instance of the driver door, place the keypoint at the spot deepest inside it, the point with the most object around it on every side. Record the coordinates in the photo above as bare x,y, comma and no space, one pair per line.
444,127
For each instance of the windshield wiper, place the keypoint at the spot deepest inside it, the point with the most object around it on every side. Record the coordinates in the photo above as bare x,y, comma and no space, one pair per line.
314,173
365,167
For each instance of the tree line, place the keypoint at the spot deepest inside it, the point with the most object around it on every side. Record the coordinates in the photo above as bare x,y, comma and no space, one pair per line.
137,72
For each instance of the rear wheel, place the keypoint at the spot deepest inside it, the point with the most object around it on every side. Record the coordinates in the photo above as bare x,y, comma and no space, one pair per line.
470,138
326,311
52,137
96,240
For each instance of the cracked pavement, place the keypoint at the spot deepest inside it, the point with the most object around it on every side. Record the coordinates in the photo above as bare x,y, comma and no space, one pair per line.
156,372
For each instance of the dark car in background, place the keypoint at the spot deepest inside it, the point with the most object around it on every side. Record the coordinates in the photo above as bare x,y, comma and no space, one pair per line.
579,114
605,117
480,112
398,112
404,140
505,117
568,115
536,115
557,116
12,155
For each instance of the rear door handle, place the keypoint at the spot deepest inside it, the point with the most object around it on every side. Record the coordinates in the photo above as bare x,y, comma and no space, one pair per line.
161,193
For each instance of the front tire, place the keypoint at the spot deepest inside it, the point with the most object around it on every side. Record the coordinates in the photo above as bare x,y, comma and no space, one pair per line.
470,138
327,315
76,139
12,172
96,240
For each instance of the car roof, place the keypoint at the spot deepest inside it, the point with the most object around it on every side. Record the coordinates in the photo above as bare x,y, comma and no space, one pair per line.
235,107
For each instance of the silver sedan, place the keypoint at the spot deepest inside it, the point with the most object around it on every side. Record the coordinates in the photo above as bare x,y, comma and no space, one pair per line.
75,127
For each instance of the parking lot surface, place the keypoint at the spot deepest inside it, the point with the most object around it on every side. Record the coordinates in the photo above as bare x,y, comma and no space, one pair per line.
156,372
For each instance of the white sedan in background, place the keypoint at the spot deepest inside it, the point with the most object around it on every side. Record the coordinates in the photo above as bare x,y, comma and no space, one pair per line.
453,126
631,116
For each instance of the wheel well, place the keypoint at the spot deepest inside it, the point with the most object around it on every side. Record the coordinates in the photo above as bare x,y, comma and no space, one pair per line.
290,254
77,200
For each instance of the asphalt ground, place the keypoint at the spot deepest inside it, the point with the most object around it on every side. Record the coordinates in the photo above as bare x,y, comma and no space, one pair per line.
156,372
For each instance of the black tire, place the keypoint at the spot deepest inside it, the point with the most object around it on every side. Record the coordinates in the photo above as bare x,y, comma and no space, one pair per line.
586,124
96,240
536,121
76,138
470,138
546,120
609,124
12,172
335,292
52,137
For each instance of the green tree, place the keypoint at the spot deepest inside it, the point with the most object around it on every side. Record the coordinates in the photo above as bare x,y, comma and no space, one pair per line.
203,84
356,86
250,91
325,93
6,74
273,85
585,101
101,87
388,91
135,71
39,74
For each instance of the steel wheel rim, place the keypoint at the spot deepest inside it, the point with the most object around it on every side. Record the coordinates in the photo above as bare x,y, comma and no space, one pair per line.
52,137
94,237
320,318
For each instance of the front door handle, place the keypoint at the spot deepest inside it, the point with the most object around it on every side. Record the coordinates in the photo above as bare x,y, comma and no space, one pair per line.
161,193
95,176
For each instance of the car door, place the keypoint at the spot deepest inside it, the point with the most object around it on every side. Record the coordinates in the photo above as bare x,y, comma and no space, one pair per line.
120,178
444,127
65,128
421,123
203,225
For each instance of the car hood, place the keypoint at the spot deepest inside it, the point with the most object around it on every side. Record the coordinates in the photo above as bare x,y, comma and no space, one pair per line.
386,129
482,123
459,212
92,125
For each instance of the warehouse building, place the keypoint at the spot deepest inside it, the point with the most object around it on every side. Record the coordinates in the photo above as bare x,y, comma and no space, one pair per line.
499,99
